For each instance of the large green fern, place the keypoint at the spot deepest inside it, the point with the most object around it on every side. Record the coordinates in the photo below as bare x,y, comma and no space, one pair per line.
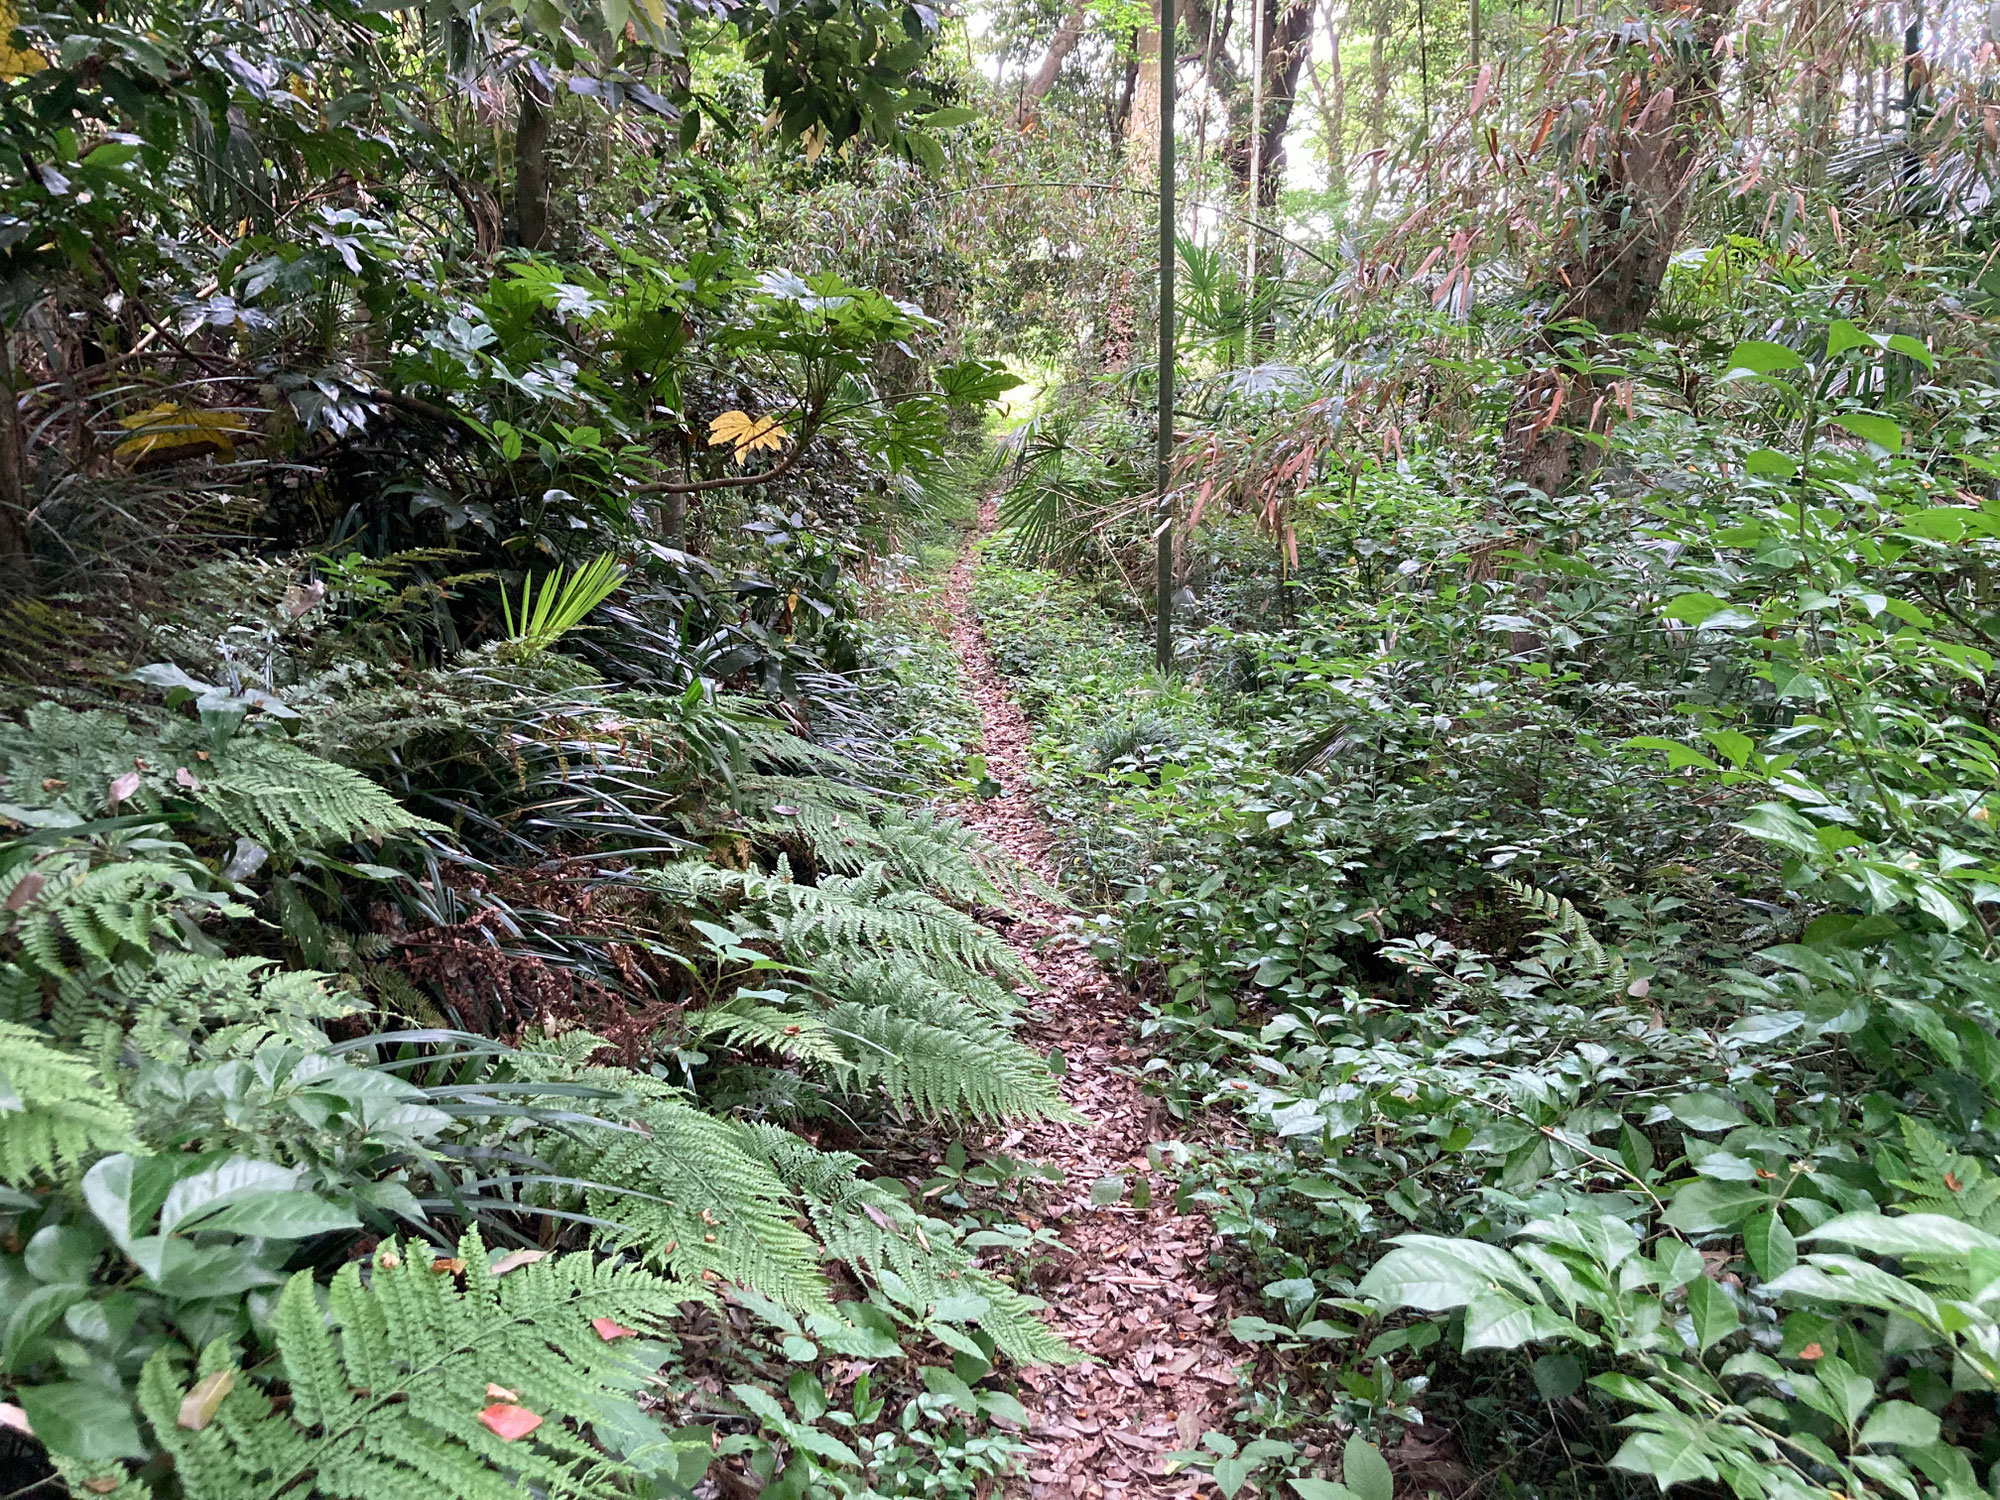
382,1390
677,1185
1942,1181
846,828
259,787
876,1231
55,1114
843,919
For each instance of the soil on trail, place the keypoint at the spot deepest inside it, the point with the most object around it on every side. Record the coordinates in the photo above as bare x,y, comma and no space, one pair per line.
1131,1293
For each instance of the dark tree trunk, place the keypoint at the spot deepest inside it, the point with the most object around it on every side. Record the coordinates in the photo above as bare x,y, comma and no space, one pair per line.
1067,36
531,162
1287,33
13,476
1639,203
1123,113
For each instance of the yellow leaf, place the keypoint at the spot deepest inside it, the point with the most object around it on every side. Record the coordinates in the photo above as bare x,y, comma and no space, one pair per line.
746,433
199,1406
16,62
654,11
171,425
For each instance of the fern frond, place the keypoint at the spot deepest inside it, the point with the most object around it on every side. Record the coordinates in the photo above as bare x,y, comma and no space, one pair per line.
949,1062
245,999
685,1193
1944,1182
386,1386
791,1034
845,918
280,795
876,1231
56,1113
262,788
845,829
1594,962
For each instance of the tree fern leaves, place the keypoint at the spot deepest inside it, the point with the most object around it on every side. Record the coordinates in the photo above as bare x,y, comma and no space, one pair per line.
259,787
876,1231
842,919
950,1062
54,1113
681,1188
386,1386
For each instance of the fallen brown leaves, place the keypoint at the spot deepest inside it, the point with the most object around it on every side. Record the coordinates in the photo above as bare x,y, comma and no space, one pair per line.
1133,1293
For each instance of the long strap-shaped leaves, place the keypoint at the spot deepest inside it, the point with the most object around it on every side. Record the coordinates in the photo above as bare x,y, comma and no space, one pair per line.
562,602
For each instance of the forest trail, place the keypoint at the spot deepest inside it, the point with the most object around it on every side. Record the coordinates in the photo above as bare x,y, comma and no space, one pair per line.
1132,1291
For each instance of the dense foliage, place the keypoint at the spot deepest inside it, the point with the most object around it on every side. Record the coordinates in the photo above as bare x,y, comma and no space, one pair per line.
492,997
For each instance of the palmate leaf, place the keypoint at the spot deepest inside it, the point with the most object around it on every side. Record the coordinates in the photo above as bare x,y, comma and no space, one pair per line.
384,1389
745,434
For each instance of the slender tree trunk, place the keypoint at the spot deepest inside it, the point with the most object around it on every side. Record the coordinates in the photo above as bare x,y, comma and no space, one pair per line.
1638,206
13,475
1377,116
1067,36
1123,114
531,162
1287,40
1337,157
1285,46
1142,120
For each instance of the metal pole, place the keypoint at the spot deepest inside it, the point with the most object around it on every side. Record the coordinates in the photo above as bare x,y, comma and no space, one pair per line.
1163,607
1256,174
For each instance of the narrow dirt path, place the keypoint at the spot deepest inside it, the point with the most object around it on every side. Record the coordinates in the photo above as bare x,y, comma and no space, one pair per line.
1132,1291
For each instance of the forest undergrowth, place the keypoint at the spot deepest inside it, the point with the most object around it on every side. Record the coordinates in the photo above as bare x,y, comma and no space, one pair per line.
578,920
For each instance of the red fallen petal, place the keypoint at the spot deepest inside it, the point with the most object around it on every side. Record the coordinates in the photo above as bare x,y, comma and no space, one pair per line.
608,1330
508,1421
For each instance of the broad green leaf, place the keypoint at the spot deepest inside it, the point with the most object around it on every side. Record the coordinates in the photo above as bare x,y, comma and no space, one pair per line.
1320,1489
1903,343
1843,336
1365,1471
1769,462
1777,823
1714,1315
1922,1236
1635,1151
82,1419
225,1182
1877,430
1902,1423
1706,1206
286,1214
1770,1245
1758,357
1706,1112
1670,1459
945,119
1558,1376
1497,1320
1693,608
1437,1274
1678,755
